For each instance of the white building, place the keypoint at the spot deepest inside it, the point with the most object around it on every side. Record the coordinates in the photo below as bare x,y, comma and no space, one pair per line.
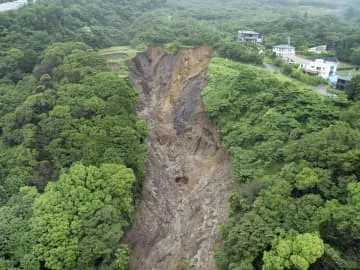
321,67
285,51
13,5
318,49
249,36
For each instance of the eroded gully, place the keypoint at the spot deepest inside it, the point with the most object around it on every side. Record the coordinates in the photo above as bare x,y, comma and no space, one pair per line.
187,173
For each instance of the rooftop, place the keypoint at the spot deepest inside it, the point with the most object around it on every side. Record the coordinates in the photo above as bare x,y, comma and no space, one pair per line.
345,78
331,59
12,5
284,46
318,47
248,32
306,61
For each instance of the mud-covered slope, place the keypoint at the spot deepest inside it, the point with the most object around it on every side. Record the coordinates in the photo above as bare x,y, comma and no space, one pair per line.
187,181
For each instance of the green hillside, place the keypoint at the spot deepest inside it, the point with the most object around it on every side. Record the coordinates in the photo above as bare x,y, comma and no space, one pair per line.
295,159
72,147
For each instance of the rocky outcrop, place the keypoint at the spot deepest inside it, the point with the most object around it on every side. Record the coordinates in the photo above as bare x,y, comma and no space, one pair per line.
187,179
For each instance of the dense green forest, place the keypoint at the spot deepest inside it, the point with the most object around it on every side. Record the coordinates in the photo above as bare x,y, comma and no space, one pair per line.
71,145
75,122
192,23
71,151
296,161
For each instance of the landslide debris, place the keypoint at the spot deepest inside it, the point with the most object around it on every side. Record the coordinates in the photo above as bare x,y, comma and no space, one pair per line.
187,174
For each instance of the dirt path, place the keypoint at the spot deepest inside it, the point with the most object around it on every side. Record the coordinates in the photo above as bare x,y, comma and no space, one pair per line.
187,181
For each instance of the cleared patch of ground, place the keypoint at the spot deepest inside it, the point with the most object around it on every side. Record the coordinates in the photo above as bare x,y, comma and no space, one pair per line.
117,57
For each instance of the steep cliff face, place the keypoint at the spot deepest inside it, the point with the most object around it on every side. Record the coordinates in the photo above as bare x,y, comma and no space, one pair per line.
187,182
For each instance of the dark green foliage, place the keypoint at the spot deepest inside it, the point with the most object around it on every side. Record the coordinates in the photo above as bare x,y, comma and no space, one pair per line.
79,220
28,31
76,112
353,88
240,52
71,110
158,27
298,74
308,23
339,36
299,162
355,56
295,155
17,239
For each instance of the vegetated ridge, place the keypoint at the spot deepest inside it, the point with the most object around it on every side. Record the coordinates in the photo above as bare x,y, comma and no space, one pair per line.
187,174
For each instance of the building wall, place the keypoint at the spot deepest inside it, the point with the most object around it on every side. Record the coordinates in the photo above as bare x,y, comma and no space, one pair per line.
324,68
284,52
341,84
254,38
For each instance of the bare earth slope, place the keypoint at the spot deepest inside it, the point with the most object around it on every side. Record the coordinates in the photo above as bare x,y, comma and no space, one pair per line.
187,181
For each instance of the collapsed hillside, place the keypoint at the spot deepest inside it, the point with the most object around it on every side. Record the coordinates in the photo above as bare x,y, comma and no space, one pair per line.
187,180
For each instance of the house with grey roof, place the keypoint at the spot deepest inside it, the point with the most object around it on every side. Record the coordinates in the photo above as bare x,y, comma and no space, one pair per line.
285,51
249,36
318,49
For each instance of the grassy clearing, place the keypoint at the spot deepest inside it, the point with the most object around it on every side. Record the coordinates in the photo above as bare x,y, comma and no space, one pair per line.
122,49
268,60
344,65
344,72
173,47
345,69
117,58
230,68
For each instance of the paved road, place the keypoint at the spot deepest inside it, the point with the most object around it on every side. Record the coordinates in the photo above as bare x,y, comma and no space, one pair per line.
12,5
272,68
322,89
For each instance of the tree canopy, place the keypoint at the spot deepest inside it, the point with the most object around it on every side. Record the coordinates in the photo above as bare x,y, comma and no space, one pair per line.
79,220
295,159
72,148
73,122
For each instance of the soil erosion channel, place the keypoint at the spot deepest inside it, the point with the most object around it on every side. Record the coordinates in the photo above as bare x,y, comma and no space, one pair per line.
187,180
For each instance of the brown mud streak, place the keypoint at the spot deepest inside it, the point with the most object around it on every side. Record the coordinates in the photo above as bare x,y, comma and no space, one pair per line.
187,181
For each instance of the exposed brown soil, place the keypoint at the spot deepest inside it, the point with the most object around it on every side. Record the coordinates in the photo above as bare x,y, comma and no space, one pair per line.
187,181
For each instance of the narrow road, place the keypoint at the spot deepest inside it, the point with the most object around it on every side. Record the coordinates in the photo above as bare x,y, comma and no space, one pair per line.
321,89
272,68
